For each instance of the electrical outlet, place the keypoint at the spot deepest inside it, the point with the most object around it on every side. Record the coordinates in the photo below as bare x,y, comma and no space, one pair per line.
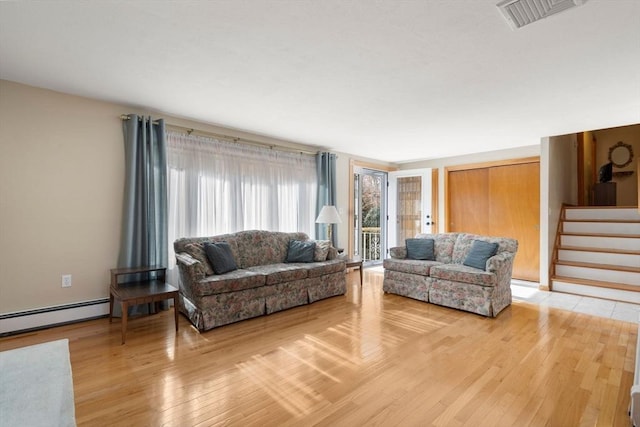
66,280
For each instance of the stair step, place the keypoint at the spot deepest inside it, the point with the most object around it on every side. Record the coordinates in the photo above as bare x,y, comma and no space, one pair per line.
599,266
600,241
599,289
606,250
597,272
602,213
599,257
611,221
602,227
597,283
598,253
618,235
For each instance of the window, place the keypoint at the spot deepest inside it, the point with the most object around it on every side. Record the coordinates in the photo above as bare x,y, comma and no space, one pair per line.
218,187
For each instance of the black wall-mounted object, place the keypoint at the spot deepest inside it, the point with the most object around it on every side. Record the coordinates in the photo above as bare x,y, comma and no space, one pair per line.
606,172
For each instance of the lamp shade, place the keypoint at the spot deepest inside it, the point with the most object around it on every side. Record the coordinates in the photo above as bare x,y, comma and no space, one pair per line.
328,215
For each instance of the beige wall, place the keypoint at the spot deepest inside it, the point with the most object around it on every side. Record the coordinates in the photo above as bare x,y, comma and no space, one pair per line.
61,190
61,179
627,186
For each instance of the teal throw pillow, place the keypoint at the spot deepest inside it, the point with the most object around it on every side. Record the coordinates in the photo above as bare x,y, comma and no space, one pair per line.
220,257
479,254
301,251
420,249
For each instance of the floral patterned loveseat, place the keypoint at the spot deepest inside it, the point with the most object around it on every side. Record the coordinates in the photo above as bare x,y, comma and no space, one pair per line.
263,283
447,281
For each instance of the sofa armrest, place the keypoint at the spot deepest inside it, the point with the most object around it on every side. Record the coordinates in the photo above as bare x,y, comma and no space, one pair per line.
398,252
332,254
191,270
501,265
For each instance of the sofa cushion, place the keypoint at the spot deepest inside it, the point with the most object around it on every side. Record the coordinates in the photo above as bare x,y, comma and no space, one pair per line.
322,250
479,254
463,273
301,251
317,269
220,257
278,273
420,267
421,249
230,282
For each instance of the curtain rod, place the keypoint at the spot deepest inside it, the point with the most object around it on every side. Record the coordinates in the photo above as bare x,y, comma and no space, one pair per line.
230,138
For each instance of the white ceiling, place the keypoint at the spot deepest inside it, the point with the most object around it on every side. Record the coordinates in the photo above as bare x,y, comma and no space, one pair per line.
391,80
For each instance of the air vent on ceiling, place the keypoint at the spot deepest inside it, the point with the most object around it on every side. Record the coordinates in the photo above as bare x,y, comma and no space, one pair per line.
519,13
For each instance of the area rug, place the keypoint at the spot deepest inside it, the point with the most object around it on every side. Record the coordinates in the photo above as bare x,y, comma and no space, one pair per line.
36,387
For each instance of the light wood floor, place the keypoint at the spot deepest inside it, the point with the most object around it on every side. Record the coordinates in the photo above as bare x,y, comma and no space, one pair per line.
363,359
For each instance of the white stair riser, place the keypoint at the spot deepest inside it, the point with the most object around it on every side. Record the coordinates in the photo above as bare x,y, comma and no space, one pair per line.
627,243
627,260
602,213
625,277
593,291
602,227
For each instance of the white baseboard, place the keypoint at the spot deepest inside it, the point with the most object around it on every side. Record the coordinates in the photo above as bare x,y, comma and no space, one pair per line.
22,321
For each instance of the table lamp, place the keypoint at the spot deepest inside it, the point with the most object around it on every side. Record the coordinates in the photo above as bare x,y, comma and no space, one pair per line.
329,215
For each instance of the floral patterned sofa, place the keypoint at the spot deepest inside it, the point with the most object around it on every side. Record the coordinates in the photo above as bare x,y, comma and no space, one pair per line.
263,283
447,281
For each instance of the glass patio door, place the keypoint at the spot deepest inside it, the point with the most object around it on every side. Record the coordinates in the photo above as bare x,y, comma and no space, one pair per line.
370,225
409,205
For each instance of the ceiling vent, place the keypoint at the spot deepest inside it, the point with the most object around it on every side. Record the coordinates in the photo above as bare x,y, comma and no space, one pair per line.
519,13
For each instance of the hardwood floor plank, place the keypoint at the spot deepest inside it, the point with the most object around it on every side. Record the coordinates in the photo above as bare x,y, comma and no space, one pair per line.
366,358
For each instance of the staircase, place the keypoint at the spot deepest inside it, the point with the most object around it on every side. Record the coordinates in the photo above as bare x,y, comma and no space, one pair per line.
597,253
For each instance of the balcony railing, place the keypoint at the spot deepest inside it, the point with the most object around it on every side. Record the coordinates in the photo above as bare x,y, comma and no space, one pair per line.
370,244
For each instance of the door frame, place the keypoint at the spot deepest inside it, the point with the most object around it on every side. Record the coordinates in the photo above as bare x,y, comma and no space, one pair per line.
353,164
427,193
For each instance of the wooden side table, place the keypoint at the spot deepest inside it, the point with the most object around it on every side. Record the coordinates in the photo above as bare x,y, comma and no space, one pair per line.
141,292
355,262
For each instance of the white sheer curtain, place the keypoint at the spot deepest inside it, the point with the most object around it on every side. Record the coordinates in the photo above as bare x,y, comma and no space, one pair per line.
218,187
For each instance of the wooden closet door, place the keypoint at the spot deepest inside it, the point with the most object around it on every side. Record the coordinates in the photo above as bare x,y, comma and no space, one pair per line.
469,201
514,212
501,201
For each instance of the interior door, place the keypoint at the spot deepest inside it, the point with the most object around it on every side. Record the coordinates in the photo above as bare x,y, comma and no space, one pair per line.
409,205
469,201
500,201
515,212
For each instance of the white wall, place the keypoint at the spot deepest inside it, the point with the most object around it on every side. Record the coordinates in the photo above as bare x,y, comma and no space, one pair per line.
558,185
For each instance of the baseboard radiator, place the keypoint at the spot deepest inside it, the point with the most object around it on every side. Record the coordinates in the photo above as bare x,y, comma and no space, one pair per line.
47,317
634,410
